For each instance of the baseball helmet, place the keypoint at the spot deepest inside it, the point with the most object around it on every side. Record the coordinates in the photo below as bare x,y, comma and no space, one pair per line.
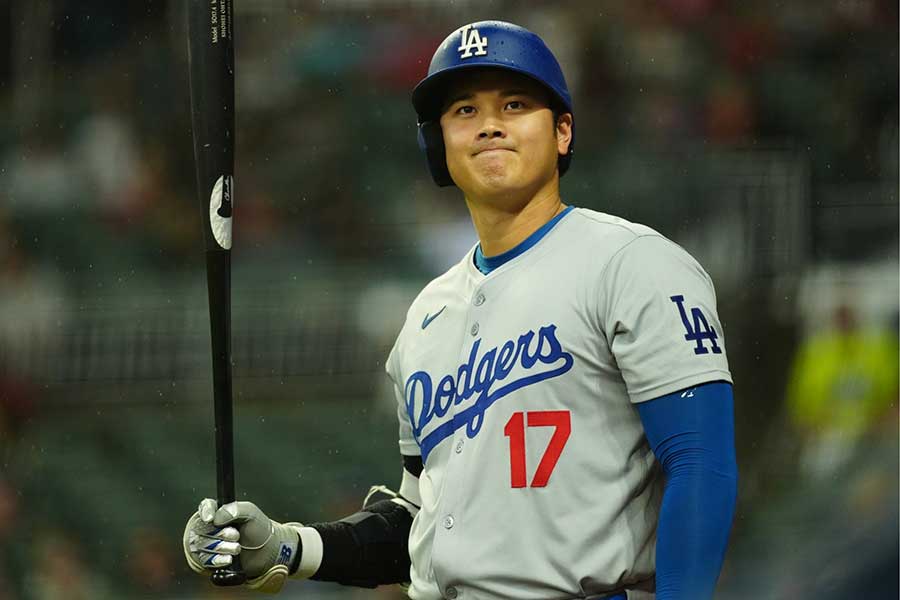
493,44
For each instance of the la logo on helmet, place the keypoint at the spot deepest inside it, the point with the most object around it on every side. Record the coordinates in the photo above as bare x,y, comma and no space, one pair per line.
471,40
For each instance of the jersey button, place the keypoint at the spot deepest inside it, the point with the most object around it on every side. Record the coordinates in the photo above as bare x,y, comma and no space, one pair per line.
448,522
479,299
474,330
459,446
451,593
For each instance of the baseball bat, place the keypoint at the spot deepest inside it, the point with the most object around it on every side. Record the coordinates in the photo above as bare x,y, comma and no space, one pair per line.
211,59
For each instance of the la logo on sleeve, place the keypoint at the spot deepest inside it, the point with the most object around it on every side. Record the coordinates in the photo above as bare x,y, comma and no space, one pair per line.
699,331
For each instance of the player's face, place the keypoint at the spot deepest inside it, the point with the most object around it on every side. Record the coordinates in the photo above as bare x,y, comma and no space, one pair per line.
500,136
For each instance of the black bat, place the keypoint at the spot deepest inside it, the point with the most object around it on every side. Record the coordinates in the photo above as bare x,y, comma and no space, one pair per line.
211,58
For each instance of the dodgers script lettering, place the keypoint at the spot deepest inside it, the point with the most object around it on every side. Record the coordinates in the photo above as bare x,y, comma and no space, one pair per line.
477,377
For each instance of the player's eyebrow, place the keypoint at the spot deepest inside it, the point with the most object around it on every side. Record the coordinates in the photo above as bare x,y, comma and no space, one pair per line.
515,92
469,95
457,98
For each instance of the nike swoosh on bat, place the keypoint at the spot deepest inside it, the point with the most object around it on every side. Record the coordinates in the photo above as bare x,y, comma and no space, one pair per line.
428,319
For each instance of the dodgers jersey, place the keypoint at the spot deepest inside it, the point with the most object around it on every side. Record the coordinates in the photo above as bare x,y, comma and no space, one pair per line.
517,390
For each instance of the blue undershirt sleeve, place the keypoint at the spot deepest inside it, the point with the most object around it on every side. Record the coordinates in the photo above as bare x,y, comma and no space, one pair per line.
691,433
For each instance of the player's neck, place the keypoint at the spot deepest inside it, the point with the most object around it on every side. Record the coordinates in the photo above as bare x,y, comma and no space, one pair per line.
503,226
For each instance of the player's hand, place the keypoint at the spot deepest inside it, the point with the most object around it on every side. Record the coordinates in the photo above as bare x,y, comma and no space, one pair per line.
213,535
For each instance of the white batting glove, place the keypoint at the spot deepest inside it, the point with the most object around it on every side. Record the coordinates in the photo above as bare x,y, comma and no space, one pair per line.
214,535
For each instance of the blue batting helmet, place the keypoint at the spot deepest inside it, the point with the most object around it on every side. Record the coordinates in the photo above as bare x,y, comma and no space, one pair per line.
494,44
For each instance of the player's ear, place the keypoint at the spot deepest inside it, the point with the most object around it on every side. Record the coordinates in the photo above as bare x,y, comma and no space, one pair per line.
563,133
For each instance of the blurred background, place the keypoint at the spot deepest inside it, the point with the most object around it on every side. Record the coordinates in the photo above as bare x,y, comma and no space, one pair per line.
761,136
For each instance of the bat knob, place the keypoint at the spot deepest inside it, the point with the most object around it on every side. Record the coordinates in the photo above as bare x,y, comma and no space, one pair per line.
229,576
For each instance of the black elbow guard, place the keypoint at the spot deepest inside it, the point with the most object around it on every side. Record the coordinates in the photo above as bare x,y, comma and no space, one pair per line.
367,549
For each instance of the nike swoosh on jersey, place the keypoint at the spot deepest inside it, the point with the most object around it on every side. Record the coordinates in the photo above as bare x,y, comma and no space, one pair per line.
428,319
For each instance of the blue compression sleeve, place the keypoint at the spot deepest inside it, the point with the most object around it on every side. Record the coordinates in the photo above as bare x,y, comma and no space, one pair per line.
692,435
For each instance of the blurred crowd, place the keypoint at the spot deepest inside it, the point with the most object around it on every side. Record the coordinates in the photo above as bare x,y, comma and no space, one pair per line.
99,220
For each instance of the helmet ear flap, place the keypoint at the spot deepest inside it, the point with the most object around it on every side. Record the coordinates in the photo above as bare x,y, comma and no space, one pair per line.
431,140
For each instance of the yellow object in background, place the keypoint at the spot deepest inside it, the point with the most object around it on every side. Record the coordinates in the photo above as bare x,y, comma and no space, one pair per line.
843,382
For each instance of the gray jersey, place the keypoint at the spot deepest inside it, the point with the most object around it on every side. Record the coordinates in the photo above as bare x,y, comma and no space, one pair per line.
518,388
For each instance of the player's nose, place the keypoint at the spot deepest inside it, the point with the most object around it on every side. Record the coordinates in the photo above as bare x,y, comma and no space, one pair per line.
491,129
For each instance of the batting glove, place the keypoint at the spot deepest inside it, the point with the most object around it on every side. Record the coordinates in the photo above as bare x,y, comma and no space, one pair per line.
214,535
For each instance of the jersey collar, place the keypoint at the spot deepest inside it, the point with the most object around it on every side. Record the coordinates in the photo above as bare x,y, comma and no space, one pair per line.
486,264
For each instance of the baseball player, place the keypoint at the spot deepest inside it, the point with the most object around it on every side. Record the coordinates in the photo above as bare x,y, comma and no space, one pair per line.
563,394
